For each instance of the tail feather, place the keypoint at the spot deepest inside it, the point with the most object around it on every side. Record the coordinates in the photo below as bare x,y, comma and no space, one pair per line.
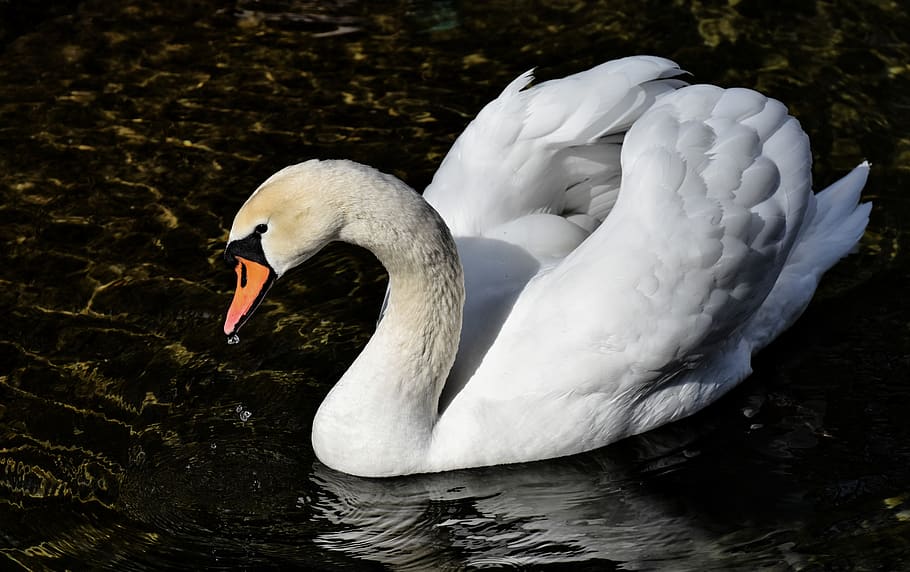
837,224
831,230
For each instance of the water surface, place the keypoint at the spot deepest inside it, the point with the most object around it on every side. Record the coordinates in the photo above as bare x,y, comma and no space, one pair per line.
133,437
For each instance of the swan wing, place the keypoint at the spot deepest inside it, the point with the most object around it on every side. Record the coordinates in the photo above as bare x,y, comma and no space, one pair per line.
716,184
530,178
538,169
716,187
528,151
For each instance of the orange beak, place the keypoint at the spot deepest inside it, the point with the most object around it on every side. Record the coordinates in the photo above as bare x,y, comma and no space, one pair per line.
253,281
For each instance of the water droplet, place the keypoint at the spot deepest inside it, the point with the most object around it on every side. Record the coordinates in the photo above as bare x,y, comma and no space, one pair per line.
233,339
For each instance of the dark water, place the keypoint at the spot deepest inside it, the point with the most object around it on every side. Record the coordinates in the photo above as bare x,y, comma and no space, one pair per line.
133,437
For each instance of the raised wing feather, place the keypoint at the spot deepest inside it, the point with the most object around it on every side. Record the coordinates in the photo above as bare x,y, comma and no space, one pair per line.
715,187
517,157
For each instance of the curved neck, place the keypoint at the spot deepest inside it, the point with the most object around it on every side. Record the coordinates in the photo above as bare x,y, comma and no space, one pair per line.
379,418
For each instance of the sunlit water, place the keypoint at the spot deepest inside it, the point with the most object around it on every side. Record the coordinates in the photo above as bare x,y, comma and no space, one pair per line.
133,437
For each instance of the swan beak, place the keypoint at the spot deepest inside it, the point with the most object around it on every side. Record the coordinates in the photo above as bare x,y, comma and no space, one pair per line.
253,281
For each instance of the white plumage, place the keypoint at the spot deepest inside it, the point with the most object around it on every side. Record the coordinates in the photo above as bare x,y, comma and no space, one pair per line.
627,243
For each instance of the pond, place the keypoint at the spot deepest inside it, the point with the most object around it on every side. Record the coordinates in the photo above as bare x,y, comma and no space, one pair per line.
132,437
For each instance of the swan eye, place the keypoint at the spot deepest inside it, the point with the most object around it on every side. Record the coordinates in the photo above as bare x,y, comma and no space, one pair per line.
261,228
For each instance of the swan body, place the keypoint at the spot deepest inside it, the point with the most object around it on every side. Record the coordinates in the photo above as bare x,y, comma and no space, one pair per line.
596,256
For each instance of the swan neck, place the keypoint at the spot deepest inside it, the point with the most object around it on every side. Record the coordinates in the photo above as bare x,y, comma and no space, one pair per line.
426,298
387,401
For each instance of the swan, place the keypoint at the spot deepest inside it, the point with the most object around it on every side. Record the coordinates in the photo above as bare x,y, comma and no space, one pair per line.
596,256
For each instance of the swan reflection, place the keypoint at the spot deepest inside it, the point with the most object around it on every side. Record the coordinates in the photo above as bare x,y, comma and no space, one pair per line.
592,508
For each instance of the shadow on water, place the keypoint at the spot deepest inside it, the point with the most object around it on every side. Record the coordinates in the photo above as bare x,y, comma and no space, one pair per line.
132,437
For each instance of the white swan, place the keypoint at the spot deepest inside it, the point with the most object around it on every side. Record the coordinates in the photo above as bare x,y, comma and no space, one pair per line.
627,243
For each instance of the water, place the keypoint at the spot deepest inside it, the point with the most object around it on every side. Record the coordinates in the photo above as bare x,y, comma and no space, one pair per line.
133,437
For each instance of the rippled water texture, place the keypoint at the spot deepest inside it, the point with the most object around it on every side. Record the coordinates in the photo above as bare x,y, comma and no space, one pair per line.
133,437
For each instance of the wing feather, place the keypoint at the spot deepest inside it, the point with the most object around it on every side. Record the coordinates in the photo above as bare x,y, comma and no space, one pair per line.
517,157
714,189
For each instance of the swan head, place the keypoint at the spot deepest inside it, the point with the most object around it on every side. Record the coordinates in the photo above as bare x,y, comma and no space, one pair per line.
288,219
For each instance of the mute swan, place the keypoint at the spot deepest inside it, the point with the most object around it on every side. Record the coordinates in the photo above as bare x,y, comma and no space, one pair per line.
604,252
